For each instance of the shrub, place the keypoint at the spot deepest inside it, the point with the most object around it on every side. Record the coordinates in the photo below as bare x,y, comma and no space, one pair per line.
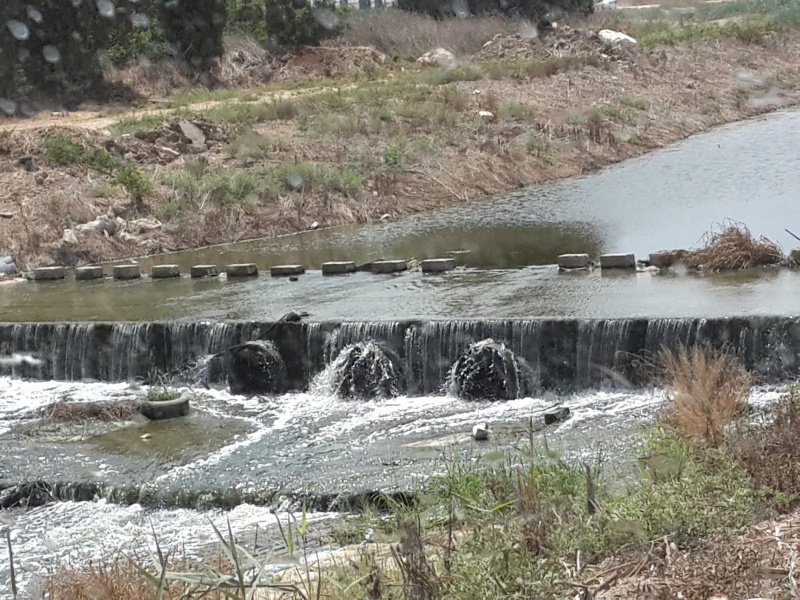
298,23
195,28
707,390
731,248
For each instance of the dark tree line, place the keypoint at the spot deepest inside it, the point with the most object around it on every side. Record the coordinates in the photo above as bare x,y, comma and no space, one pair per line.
533,10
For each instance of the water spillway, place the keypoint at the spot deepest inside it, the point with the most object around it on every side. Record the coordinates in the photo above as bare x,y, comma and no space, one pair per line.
555,354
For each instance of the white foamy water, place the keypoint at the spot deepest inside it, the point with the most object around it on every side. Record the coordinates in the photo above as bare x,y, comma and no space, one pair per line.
295,440
82,532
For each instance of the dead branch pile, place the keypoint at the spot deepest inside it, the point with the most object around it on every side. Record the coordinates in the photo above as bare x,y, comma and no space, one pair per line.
733,248
67,411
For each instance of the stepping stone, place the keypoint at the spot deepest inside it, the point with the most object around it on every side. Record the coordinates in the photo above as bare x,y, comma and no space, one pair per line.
165,271
127,272
480,432
437,265
389,266
200,271
286,270
617,261
662,260
48,273
573,261
338,268
242,270
87,273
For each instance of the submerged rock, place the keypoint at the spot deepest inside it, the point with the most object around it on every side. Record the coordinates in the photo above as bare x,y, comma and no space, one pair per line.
486,371
256,367
365,370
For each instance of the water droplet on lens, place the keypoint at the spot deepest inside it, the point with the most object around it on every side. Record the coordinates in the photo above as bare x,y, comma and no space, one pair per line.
139,20
23,55
8,106
105,8
461,8
171,4
51,54
326,18
34,15
77,3
19,30
294,180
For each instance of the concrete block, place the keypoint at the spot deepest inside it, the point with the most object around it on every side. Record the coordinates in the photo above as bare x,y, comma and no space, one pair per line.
87,273
242,270
126,272
617,261
389,266
338,267
48,273
437,265
200,271
557,415
286,270
165,271
573,261
480,432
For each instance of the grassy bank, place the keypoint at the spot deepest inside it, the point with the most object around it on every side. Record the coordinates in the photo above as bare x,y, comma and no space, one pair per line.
358,138
523,522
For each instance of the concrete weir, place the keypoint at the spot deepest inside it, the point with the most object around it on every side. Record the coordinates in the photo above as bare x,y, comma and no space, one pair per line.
551,354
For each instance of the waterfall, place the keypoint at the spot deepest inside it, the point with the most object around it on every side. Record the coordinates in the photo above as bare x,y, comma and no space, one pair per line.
551,354
364,370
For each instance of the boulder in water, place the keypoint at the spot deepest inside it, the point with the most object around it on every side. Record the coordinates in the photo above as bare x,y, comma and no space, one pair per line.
487,370
365,370
556,415
480,432
256,367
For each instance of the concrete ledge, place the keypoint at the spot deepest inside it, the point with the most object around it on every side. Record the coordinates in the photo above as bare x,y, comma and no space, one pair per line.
200,271
242,270
338,267
617,261
126,272
165,271
48,273
286,270
662,259
87,273
437,265
389,266
573,261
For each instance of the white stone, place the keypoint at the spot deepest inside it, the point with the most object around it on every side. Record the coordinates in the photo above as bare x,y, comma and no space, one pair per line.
338,267
193,132
69,237
617,261
573,261
437,58
486,115
314,225
437,265
480,432
165,271
615,38
389,266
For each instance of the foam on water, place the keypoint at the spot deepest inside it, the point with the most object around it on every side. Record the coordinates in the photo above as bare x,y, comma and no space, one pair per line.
80,532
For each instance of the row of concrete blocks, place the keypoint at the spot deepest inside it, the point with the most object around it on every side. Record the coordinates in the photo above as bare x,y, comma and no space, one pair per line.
133,271
607,261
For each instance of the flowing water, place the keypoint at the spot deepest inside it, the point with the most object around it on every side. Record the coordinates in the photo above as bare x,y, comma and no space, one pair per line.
578,340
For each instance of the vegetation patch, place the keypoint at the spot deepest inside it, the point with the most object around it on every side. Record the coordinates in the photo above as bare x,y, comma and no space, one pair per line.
733,247
68,411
